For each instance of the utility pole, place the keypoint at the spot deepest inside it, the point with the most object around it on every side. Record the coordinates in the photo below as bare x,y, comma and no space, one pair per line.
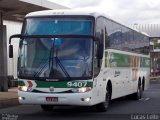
3,56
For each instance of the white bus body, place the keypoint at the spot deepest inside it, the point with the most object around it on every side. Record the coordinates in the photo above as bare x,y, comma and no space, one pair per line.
122,70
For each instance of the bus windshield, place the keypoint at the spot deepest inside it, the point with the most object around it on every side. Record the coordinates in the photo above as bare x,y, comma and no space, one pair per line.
56,58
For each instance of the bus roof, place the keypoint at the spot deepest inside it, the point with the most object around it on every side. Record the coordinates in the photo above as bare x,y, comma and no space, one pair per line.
77,12
64,12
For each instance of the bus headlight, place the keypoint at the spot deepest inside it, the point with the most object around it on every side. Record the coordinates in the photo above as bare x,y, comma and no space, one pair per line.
81,90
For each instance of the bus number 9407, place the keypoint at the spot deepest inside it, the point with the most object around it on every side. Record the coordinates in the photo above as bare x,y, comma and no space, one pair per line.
76,84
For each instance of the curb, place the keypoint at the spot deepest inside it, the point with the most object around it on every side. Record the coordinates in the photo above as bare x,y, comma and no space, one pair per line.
9,103
155,78
155,81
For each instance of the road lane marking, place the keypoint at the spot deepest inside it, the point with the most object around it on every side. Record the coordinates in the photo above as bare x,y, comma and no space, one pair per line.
144,99
147,99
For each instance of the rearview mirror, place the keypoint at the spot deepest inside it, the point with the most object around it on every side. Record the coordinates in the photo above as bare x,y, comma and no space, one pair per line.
11,46
10,51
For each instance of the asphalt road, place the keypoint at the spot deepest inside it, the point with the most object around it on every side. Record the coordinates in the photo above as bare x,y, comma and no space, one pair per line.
124,108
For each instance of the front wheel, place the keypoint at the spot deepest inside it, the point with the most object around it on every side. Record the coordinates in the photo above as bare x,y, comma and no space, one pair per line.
47,107
102,107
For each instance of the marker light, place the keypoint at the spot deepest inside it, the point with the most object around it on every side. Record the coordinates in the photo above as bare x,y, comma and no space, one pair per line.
21,98
84,89
86,99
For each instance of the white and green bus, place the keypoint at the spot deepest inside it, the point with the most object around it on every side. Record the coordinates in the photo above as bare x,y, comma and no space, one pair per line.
69,57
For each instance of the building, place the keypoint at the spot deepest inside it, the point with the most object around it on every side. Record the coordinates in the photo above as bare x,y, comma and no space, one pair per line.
12,13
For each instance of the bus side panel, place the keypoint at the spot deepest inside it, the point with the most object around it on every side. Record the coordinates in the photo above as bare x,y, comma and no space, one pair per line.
124,70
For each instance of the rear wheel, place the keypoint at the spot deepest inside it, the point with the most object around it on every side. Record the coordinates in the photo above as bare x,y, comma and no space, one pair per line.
138,95
143,84
102,107
47,107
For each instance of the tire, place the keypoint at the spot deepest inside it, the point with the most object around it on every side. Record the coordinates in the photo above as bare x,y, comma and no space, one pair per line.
138,95
143,84
47,107
103,107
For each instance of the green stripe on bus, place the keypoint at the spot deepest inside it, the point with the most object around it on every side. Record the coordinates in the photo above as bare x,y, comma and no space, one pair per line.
118,60
124,60
21,83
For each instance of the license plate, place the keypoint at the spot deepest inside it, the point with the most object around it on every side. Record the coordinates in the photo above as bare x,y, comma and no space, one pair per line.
52,99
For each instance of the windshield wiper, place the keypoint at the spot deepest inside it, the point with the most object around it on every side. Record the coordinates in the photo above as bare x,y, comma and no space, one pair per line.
44,65
62,67
51,74
51,61
51,64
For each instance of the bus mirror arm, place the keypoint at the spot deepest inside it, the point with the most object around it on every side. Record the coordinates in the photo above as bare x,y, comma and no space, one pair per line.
11,46
14,36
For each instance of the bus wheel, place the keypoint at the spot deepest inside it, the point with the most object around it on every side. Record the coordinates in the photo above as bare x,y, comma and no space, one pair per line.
139,93
47,107
102,107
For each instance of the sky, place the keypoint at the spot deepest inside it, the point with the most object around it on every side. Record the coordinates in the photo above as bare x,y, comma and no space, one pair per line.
125,11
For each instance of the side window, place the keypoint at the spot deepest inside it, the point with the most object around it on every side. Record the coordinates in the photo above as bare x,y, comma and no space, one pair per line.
117,38
138,42
146,46
100,29
108,33
131,40
124,44
106,38
100,35
116,35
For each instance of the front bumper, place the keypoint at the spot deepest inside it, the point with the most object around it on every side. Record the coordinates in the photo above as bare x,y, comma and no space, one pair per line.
78,99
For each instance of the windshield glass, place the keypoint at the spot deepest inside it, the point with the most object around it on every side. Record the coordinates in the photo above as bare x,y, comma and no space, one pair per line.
55,58
58,26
